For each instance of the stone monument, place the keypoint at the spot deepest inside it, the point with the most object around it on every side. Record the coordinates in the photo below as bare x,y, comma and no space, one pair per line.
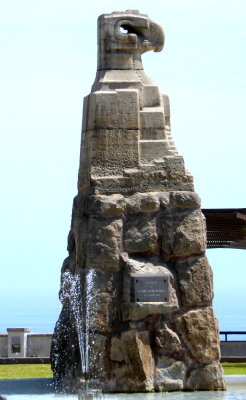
137,224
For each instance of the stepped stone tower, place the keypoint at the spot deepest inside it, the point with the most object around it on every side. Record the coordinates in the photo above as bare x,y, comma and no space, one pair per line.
136,223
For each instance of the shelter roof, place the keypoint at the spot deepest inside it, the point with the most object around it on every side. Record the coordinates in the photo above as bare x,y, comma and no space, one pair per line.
226,227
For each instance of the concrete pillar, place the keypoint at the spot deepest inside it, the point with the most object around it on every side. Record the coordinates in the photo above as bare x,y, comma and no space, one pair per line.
17,342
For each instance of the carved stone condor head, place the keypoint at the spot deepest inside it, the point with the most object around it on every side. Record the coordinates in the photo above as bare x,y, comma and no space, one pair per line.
123,36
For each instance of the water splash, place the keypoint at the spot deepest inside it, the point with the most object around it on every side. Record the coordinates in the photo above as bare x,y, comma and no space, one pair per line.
80,296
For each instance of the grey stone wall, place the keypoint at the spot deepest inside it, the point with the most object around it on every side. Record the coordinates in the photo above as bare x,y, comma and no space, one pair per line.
3,345
233,349
38,345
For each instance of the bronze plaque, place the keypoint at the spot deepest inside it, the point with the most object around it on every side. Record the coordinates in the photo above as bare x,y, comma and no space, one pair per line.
151,288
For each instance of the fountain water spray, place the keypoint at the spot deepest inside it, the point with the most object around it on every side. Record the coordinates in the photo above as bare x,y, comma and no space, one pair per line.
83,305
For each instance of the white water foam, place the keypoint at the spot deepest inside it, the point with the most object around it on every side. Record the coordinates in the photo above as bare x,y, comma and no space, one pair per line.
81,300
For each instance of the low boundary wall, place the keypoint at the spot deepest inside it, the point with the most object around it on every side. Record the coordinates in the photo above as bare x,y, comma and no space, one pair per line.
38,347
233,351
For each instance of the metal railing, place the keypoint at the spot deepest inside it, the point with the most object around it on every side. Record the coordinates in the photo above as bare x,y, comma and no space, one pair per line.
226,333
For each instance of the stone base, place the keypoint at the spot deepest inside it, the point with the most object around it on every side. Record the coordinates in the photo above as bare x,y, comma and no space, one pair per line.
140,346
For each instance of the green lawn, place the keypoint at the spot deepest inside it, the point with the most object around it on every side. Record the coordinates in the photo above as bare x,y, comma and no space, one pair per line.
234,368
22,371
25,371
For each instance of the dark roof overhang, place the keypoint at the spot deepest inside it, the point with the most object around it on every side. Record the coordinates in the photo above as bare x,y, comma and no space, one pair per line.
226,227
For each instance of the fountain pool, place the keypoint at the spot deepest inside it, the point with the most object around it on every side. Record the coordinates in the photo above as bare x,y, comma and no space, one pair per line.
234,392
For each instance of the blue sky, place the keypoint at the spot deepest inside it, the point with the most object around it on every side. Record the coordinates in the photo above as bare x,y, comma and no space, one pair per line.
48,64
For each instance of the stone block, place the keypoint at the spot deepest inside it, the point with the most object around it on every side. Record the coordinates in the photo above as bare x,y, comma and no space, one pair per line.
206,377
185,199
140,235
128,108
113,109
103,244
198,329
152,134
170,374
106,206
152,150
133,347
167,341
195,281
134,311
127,378
118,349
152,117
69,264
113,150
85,113
70,241
151,96
141,310
99,312
102,301
183,234
80,230
164,198
143,203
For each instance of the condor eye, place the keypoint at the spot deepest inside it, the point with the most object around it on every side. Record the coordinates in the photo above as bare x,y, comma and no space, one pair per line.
124,29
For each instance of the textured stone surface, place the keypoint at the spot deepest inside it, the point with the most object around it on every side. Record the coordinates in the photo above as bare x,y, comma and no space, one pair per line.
103,243
195,281
139,310
135,214
183,234
206,377
170,374
143,203
126,138
140,235
104,304
199,331
167,341
133,348
186,199
106,206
